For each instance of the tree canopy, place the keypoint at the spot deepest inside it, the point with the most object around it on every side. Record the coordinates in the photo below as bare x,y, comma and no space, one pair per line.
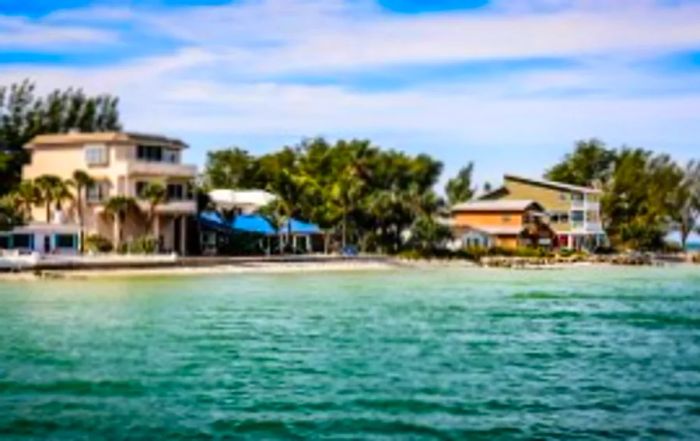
590,163
364,194
459,188
24,115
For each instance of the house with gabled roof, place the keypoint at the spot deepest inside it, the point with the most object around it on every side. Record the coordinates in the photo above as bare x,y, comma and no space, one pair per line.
573,211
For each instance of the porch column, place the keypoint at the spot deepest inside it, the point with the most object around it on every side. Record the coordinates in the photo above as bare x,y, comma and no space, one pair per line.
570,241
156,231
115,232
183,235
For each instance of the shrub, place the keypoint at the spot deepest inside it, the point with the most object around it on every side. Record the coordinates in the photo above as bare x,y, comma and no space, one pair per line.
98,244
143,245
473,253
411,255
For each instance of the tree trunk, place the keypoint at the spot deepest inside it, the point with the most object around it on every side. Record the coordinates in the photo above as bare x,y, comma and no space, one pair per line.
117,232
48,211
344,230
685,232
82,221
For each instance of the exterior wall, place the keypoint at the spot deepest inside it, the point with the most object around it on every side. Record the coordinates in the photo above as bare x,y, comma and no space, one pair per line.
488,219
552,200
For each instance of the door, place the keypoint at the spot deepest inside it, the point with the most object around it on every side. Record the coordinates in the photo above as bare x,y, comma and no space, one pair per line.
47,244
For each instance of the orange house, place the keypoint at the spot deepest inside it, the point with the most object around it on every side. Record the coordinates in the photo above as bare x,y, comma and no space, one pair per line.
501,223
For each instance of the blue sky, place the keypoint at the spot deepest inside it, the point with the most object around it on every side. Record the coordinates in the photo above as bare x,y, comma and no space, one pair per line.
509,84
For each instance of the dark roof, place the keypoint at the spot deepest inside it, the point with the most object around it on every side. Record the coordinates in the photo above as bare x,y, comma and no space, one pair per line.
551,184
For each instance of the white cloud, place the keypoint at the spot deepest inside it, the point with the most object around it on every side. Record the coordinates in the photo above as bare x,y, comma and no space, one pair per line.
20,33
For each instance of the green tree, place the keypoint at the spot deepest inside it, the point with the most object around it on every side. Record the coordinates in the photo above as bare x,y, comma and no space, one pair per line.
685,201
81,181
459,188
23,115
590,163
25,196
52,189
9,215
230,168
427,234
155,193
119,207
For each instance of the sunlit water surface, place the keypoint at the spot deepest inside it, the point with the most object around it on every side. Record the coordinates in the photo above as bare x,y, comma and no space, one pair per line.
408,354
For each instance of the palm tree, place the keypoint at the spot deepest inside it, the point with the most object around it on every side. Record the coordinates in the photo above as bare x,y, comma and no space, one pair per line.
81,181
155,193
25,197
52,189
119,206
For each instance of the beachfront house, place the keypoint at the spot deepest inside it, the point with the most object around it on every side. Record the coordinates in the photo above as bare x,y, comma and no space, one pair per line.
507,224
121,164
573,211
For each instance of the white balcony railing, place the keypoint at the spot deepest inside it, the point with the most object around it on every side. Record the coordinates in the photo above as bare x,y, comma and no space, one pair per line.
171,207
164,169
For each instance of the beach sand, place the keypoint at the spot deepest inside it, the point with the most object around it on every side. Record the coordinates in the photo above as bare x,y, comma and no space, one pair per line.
242,268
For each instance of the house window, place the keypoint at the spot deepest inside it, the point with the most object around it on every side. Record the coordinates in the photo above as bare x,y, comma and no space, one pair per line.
577,216
170,155
96,193
149,153
65,241
559,217
140,187
4,242
176,192
562,196
22,241
95,154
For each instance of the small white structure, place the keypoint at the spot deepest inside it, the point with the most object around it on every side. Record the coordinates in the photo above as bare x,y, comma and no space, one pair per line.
246,201
42,238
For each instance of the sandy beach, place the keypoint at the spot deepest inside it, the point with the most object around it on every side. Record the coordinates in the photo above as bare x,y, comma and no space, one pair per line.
235,268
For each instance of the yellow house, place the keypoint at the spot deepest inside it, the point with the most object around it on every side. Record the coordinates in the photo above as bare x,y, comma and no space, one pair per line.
573,211
121,163
506,224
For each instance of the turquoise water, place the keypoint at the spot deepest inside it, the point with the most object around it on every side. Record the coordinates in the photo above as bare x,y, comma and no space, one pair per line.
419,354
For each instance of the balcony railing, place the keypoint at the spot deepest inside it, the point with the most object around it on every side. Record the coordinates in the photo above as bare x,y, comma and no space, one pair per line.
161,169
171,207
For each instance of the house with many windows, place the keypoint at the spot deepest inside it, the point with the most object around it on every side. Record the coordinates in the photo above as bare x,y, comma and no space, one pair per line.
573,211
121,164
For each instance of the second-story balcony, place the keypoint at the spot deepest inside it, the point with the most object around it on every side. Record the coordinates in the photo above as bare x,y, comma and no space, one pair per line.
171,206
164,169
586,227
582,204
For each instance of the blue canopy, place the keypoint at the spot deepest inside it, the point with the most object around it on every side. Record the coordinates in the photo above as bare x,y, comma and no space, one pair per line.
253,223
212,219
300,227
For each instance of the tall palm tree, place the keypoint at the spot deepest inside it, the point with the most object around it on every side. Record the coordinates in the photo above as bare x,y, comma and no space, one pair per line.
155,193
52,189
81,181
119,206
25,197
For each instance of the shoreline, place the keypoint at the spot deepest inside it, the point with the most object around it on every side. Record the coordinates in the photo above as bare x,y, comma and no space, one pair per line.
296,267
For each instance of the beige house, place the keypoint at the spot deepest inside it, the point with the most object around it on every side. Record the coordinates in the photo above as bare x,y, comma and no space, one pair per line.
573,211
121,164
